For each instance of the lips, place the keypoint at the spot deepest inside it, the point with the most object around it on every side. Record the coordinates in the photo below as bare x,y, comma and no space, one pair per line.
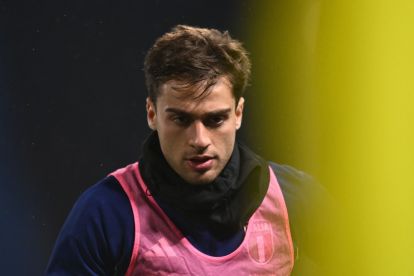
200,163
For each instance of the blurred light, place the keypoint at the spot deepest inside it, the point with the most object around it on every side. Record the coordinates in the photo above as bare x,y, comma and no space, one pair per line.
343,72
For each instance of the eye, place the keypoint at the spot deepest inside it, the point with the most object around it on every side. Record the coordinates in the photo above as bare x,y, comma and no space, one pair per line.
181,120
215,121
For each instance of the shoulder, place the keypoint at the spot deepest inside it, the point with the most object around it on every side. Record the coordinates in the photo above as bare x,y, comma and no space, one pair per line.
290,178
106,194
309,207
97,236
300,189
102,203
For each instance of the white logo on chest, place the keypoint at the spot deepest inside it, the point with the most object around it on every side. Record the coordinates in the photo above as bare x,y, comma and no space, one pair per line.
260,243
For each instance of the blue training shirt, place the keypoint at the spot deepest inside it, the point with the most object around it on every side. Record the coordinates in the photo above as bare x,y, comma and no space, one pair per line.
97,237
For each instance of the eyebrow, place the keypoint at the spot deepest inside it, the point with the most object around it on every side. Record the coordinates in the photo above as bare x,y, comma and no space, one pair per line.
212,113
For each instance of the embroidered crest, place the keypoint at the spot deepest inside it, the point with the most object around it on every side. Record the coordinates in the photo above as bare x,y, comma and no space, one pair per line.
260,244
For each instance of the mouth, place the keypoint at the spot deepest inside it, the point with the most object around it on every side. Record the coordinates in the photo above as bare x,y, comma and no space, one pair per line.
200,163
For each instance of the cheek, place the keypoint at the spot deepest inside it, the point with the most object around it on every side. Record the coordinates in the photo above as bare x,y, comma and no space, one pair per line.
225,140
165,129
172,141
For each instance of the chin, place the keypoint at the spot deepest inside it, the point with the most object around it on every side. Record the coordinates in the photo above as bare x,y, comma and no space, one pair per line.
203,179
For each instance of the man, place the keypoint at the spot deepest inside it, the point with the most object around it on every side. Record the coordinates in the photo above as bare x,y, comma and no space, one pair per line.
198,202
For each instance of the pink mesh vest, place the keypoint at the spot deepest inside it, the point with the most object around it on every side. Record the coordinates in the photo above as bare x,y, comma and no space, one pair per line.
160,248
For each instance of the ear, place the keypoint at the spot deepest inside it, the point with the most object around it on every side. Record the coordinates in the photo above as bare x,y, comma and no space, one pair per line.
239,112
151,114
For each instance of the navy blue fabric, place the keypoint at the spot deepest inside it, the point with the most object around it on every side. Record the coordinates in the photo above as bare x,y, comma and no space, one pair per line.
98,234
200,237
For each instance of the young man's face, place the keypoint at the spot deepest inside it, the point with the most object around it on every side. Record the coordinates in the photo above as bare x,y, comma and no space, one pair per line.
197,136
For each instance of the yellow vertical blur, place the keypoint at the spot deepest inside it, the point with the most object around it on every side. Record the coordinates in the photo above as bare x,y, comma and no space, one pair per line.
342,74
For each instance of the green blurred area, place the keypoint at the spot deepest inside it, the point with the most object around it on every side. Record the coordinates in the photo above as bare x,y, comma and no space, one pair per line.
332,93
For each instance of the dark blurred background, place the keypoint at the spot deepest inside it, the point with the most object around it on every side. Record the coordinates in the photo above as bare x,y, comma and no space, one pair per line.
72,104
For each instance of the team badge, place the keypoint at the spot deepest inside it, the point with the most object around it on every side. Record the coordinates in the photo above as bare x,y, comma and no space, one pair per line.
260,244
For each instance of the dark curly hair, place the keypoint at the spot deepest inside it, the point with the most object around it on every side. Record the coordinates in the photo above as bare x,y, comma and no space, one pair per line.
196,57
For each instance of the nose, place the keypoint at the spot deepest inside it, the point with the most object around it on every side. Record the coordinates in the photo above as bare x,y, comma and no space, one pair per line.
199,136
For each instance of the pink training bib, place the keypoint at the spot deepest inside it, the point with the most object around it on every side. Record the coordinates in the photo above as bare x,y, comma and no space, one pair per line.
161,249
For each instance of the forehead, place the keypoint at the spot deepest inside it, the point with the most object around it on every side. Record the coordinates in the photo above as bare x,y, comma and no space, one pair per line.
174,94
